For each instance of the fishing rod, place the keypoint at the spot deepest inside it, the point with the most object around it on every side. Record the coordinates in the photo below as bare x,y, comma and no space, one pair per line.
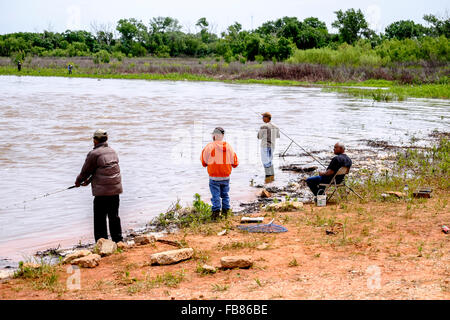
294,142
38,197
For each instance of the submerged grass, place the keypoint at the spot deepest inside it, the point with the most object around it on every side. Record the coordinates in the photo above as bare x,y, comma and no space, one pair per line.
395,92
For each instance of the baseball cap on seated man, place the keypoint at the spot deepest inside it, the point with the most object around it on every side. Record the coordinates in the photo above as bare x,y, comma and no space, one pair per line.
100,133
218,130
267,114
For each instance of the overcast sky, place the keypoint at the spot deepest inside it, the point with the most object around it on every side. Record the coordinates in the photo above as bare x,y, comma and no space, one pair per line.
59,15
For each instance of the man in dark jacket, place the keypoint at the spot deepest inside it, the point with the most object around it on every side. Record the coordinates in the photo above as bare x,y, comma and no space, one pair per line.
101,169
340,160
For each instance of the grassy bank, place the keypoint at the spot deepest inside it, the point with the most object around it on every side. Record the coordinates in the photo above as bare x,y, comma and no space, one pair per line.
391,90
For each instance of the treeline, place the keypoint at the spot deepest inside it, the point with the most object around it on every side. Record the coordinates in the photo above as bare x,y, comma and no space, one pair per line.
274,40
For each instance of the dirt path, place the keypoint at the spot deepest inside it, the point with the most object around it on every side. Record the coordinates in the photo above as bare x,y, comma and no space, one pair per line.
391,250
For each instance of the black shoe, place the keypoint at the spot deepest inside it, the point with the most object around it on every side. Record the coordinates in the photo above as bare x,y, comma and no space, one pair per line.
226,212
215,215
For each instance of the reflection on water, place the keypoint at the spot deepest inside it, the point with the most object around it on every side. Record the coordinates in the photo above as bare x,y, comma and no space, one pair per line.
158,129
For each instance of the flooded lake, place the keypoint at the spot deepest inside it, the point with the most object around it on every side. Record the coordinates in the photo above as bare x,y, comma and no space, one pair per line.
158,129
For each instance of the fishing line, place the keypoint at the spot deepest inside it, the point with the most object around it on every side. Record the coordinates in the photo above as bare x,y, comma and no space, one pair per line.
36,198
293,141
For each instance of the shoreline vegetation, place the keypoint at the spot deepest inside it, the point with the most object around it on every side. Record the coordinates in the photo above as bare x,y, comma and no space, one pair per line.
381,232
280,74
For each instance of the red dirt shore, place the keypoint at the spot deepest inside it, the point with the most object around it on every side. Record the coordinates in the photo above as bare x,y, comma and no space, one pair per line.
390,250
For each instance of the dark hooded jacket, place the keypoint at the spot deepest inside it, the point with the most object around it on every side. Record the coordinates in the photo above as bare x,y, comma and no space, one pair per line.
102,170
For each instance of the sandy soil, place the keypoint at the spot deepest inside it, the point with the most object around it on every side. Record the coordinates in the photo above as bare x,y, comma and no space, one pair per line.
392,250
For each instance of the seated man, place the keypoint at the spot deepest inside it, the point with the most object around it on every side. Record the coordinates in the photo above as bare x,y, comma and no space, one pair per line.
340,160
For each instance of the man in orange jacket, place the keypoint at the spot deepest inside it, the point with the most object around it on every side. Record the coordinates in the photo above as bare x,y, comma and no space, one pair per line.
219,157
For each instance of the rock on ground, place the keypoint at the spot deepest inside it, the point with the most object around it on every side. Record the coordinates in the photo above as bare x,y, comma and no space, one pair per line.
122,245
106,247
171,256
144,239
6,274
222,233
231,262
285,206
265,194
89,261
75,255
263,246
208,269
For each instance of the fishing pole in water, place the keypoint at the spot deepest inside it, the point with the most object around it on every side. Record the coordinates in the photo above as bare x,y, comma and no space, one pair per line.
294,142
36,198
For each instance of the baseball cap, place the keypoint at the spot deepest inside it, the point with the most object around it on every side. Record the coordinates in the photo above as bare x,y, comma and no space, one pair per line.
266,114
218,130
100,133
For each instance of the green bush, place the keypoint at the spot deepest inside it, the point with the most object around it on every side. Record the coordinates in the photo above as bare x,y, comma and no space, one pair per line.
347,55
163,52
56,53
77,49
101,57
362,54
259,58
118,55
137,50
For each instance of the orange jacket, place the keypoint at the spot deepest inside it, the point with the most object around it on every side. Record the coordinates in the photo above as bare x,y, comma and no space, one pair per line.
219,157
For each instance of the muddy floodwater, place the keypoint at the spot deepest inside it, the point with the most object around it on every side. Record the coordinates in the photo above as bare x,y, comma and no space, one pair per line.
158,129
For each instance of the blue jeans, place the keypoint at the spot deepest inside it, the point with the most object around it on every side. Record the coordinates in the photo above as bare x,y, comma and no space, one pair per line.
266,156
219,190
313,183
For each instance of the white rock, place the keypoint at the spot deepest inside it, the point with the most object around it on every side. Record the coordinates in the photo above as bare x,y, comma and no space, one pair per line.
231,262
6,274
106,247
89,261
75,255
171,256
222,233
263,246
208,269
285,206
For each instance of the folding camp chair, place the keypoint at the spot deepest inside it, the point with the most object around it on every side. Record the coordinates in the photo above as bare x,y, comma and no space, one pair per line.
342,171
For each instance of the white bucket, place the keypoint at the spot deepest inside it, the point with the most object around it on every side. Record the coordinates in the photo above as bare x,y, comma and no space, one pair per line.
321,199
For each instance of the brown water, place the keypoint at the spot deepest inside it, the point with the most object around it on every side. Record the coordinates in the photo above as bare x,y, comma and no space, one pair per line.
158,129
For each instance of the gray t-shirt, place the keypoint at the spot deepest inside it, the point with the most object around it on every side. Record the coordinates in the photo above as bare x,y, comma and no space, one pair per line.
268,133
